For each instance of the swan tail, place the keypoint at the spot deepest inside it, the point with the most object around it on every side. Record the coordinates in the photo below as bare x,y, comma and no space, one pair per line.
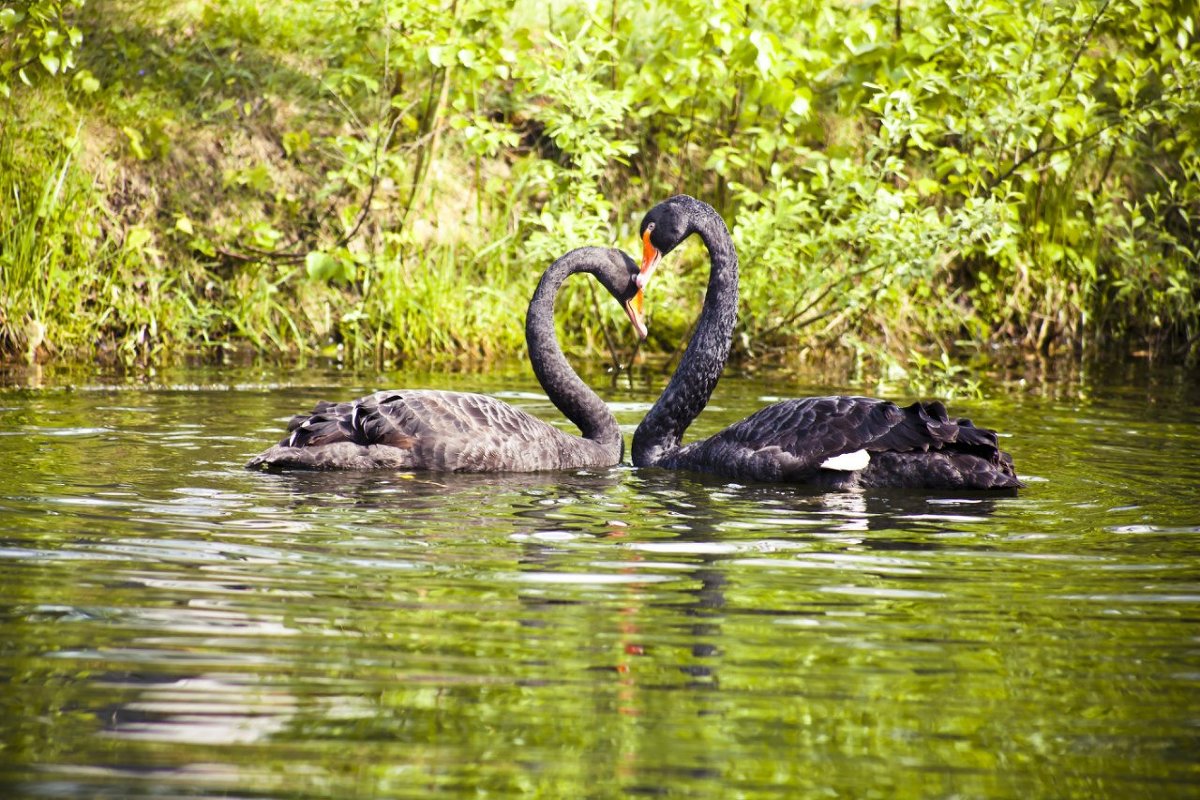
927,448
848,462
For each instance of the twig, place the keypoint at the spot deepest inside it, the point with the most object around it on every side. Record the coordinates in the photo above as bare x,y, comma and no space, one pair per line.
793,314
1037,149
608,340
1042,151
628,368
255,254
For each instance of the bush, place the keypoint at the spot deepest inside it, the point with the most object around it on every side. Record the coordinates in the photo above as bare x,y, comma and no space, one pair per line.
385,178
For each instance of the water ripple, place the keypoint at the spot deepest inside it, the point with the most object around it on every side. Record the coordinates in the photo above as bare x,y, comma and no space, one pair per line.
174,625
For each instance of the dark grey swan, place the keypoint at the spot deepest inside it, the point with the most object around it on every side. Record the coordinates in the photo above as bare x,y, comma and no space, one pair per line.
834,442
421,429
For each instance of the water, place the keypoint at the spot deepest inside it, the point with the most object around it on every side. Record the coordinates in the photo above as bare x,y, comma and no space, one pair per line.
174,626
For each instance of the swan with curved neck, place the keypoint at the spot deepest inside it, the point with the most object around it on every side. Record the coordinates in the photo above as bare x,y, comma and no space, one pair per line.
423,429
835,442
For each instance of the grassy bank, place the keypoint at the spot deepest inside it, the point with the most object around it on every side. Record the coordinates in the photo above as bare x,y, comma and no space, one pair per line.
385,179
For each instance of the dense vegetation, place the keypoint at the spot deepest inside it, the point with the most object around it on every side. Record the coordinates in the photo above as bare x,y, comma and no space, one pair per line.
388,177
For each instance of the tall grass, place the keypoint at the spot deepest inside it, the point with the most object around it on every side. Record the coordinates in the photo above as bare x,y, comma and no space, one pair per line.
44,214
73,281
384,180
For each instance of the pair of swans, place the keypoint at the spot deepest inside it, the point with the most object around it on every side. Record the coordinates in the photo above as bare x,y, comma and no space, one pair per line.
832,442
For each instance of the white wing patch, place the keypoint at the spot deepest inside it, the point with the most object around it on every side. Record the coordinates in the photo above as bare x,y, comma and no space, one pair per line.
848,462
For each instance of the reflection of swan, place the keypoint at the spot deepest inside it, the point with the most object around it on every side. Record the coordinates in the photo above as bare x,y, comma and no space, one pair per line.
710,515
460,432
434,490
835,442
382,502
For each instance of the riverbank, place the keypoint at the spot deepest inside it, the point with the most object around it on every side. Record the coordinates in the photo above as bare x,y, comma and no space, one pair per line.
383,184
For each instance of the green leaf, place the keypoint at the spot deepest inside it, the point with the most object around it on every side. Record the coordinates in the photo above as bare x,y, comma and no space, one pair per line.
321,266
137,237
204,246
50,62
765,52
136,143
801,105
86,82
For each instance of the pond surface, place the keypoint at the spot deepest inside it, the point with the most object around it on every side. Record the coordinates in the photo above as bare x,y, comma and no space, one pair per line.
172,625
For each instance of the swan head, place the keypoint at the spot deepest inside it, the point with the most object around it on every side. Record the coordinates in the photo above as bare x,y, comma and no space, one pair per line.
662,229
618,273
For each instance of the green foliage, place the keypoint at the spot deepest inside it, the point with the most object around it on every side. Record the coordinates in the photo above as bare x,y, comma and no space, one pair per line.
581,119
384,179
38,32
981,168
124,304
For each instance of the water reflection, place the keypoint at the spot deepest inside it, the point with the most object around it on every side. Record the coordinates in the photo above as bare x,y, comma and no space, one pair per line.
174,625
206,709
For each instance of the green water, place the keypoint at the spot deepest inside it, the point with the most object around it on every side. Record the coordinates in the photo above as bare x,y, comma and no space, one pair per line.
174,626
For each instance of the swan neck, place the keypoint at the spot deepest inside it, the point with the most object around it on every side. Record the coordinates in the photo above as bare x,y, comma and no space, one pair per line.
661,432
574,398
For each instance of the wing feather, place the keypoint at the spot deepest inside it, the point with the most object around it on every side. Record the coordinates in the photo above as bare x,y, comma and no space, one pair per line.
789,441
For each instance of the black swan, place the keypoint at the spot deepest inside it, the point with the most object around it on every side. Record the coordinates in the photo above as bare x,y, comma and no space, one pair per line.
422,429
832,442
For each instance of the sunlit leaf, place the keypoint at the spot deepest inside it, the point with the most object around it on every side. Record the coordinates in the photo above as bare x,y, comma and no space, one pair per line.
320,266
50,62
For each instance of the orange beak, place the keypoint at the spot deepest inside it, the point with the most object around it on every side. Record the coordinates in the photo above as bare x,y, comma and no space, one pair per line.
633,308
650,258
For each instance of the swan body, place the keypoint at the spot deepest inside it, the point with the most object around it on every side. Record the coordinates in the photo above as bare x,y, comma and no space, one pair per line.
420,429
847,442
833,442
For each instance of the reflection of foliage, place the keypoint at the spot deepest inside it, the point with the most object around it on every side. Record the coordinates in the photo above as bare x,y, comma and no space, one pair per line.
593,635
390,174
583,635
